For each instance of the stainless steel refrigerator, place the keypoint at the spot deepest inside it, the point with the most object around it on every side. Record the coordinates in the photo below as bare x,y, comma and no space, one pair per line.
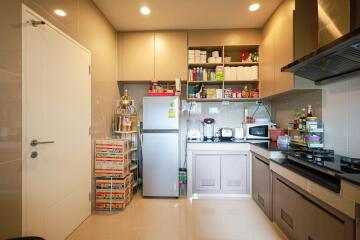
161,144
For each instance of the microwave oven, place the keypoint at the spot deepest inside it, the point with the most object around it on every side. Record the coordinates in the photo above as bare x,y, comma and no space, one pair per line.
258,130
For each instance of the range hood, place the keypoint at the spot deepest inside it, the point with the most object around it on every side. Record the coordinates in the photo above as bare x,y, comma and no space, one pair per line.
338,42
337,58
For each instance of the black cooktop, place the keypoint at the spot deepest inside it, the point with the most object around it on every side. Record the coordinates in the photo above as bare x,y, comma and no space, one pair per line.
326,159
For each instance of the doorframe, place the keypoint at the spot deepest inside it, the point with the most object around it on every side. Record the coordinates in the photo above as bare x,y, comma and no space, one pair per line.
26,10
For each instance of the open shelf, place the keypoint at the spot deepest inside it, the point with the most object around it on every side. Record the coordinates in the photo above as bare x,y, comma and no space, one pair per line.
241,63
211,82
205,64
125,132
223,99
241,81
236,53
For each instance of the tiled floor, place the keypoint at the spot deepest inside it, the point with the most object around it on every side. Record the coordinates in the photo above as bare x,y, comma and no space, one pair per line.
175,219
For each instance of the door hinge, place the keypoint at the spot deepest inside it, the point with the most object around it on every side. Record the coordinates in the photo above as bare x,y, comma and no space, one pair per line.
89,196
90,130
89,69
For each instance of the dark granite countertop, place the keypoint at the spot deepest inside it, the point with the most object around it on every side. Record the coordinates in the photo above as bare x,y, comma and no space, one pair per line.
272,146
351,177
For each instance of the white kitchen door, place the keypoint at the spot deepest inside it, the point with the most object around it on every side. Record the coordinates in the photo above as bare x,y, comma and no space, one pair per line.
57,111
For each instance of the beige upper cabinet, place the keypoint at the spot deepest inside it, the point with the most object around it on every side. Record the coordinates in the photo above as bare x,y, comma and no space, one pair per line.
266,64
147,56
170,55
282,35
284,48
136,52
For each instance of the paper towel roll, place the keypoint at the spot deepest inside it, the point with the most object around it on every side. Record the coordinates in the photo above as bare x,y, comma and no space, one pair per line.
215,54
255,73
203,58
211,60
227,73
232,73
240,73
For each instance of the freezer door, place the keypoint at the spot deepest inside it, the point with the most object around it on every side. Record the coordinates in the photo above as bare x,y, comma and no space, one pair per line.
160,164
161,113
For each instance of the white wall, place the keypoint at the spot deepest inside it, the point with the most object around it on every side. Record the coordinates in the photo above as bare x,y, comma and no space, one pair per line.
341,115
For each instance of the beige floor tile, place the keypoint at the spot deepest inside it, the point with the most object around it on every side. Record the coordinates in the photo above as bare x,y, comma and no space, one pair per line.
180,219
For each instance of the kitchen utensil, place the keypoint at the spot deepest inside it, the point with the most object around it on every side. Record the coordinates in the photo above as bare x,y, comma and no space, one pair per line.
193,132
238,133
226,133
208,129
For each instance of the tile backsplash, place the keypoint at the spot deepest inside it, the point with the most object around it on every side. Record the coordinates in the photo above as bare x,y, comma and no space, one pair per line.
228,114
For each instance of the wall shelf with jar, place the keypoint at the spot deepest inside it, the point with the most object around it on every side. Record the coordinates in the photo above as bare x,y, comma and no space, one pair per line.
125,126
307,130
223,73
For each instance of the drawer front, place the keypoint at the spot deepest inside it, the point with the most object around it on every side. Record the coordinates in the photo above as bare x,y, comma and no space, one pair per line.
288,206
261,180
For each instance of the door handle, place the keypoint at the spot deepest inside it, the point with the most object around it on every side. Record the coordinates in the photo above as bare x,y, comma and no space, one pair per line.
35,142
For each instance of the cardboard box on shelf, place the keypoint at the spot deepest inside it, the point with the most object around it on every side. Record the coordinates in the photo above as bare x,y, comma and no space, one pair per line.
112,169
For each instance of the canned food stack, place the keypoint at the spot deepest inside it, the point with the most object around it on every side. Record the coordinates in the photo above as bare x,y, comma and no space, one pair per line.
112,194
112,172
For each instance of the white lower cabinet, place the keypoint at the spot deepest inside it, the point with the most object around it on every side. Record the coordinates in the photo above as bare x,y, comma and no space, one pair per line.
221,173
207,174
234,173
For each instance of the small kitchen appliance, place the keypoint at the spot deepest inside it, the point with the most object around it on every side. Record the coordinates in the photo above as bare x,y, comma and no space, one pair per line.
194,130
258,130
238,133
226,134
208,129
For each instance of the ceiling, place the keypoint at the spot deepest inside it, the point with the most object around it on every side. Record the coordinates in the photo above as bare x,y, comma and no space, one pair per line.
124,15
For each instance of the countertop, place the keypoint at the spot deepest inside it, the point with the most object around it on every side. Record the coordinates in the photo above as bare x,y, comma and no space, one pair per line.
274,147
266,144
354,178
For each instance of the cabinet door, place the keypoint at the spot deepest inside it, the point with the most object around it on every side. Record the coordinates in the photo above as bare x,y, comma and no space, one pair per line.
137,56
235,173
266,56
261,180
321,225
207,173
288,207
170,55
284,47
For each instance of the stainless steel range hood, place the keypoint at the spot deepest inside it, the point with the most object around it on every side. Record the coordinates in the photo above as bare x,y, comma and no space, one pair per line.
337,58
338,50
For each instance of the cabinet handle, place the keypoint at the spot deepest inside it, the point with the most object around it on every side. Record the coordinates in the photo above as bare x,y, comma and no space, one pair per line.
261,200
287,219
261,160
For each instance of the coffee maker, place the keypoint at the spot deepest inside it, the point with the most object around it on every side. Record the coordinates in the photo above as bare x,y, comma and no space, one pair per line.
208,129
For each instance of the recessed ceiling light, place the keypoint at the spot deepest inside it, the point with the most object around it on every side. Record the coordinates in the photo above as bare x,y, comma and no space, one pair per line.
254,7
145,10
60,12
